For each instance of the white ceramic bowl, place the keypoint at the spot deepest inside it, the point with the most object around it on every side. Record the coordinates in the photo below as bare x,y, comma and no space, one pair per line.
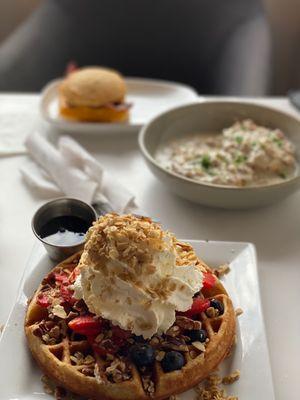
213,116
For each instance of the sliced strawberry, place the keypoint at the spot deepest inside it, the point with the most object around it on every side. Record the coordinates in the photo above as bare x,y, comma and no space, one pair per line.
199,305
61,278
91,339
62,282
209,280
67,295
86,325
43,301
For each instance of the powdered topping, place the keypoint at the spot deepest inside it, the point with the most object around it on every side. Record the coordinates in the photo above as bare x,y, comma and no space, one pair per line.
136,275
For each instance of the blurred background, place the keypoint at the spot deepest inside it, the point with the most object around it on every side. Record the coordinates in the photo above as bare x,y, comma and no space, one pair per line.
235,47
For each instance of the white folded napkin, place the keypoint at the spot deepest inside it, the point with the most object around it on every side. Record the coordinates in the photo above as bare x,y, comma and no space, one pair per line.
18,116
72,171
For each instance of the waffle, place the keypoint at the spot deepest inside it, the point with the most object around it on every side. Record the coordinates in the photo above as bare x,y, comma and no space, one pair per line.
73,362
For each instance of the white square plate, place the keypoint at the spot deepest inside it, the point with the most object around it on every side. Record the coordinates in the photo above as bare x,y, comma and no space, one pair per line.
20,377
148,97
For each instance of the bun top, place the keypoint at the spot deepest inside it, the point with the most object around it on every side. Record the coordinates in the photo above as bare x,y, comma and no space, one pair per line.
93,87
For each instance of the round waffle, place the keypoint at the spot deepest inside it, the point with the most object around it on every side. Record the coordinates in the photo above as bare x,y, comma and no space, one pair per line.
75,363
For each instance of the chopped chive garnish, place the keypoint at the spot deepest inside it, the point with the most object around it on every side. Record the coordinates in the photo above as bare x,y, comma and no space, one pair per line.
240,159
279,142
205,161
282,175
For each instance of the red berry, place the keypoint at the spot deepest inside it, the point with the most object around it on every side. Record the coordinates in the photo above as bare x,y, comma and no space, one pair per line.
62,281
67,295
61,278
43,301
86,325
199,305
209,280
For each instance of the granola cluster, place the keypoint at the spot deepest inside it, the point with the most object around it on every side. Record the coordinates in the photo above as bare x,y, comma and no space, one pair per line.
117,371
132,240
185,255
211,388
176,339
125,238
148,384
222,270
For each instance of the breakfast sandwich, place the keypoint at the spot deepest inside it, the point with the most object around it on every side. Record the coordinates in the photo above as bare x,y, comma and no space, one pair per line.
93,94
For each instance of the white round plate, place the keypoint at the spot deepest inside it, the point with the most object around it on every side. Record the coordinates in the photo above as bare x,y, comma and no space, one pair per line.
148,98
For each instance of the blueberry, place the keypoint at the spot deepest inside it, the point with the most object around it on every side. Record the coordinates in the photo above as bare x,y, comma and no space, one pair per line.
142,354
216,304
139,339
197,335
172,361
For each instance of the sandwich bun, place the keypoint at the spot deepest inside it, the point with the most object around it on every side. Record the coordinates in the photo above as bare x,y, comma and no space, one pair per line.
93,94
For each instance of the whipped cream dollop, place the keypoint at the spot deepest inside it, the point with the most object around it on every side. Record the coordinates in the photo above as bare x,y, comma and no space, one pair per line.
136,275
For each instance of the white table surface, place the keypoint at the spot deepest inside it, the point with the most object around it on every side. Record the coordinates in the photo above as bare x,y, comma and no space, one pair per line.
275,231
